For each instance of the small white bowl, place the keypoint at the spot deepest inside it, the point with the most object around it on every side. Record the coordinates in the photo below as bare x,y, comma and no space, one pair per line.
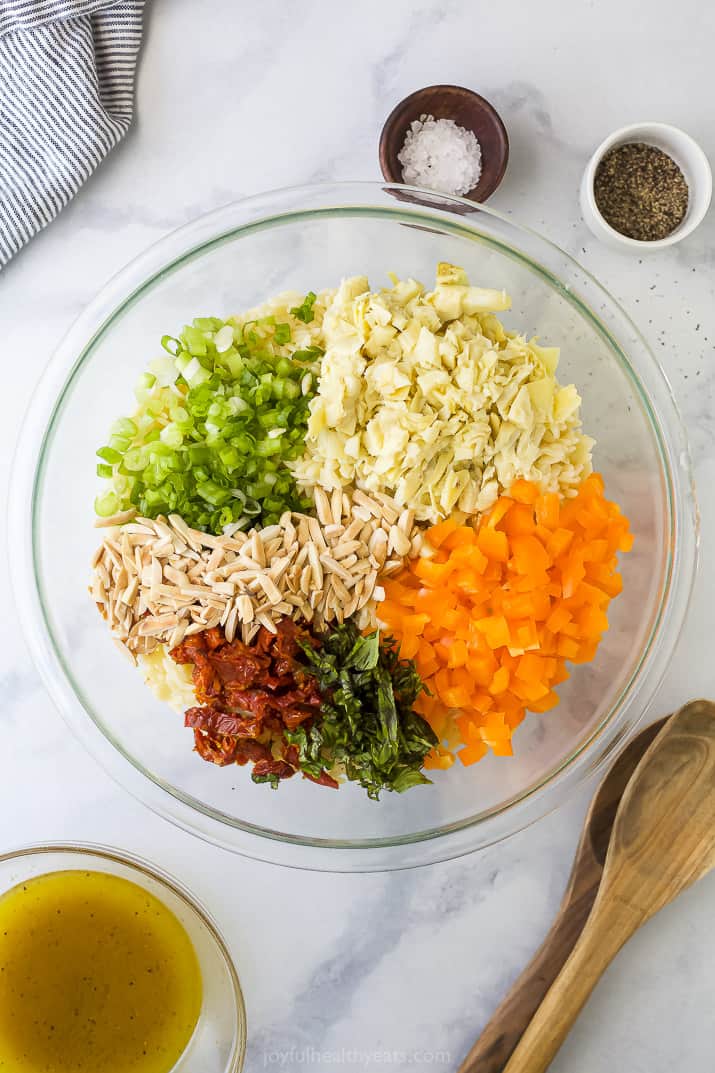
689,157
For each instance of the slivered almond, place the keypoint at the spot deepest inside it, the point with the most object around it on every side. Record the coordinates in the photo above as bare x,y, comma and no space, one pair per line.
272,547
316,534
179,526
131,591
322,506
334,567
178,635
140,528
399,541
127,651
315,565
231,623
162,529
280,566
113,553
271,532
258,552
341,593
224,588
244,605
306,610
336,506
215,558
306,578
270,588
291,585
178,577
406,521
150,627
301,557
388,509
370,505
377,546
353,529
115,519
345,548
303,530
350,608
103,574
266,620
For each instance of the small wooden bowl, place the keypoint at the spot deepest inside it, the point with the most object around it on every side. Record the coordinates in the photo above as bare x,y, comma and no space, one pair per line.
468,110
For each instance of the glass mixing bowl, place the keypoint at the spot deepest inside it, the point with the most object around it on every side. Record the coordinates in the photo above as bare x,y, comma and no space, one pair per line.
310,238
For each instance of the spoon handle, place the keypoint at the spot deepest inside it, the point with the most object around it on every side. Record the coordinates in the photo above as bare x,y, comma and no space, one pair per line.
603,936
497,1042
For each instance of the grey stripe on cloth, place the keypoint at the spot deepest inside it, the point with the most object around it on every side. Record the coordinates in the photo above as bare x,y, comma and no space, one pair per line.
67,72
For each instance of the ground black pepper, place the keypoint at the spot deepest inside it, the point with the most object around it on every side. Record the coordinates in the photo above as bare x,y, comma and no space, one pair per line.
640,191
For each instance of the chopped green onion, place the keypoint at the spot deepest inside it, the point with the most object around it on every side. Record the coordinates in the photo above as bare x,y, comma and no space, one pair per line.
173,346
106,505
194,341
215,427
304,311
109,455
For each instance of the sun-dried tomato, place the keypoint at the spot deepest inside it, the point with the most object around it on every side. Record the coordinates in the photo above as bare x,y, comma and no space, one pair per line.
249,696
234,664
291,755
266,768
323,779
215,721
225,749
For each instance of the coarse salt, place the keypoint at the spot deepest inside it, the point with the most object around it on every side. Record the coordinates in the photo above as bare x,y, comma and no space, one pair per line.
439,155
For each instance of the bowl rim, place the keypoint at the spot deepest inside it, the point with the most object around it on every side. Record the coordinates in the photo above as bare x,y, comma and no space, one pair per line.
328,854
101,851
486,106
642,131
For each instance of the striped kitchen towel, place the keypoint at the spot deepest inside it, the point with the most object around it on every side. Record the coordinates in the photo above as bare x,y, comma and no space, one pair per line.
66,98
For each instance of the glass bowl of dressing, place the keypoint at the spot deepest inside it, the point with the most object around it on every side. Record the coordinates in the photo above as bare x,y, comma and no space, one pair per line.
108,965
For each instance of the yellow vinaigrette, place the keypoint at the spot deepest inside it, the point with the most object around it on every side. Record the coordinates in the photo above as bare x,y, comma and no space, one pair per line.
96,976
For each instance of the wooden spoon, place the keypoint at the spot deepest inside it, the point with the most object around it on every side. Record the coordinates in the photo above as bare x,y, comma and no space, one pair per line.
663,840
497,1042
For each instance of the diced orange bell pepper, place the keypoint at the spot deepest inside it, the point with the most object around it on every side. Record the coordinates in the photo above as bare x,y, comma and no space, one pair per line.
470,754
493,543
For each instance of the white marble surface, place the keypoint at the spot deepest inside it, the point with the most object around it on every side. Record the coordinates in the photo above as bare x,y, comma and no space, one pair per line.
243,97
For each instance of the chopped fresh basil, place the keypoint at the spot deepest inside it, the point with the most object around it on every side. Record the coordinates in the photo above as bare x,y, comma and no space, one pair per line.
367,724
